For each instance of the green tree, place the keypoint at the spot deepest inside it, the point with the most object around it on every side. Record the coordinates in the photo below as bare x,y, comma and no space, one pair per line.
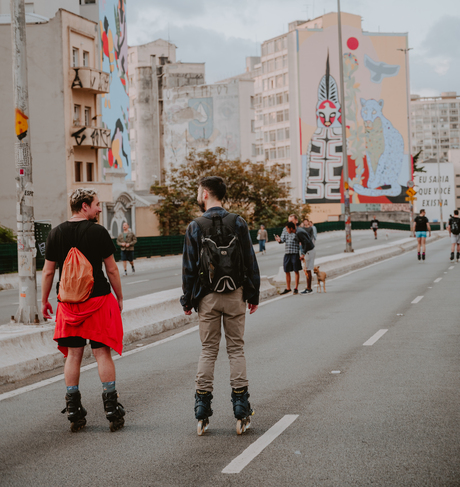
415,161
6,235
253,191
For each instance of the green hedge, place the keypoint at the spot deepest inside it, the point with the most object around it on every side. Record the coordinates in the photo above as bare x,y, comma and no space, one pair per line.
173,245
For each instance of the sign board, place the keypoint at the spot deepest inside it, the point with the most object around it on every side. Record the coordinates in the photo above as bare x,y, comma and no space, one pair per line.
410,183
432,188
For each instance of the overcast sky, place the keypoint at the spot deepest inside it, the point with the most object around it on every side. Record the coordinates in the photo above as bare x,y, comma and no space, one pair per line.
222,33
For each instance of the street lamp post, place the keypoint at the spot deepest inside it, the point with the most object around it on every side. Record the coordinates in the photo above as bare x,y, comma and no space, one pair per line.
346,190
28,312
409,138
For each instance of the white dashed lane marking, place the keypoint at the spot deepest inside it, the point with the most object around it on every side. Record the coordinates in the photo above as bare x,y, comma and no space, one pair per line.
237,464
374,338
136,282
451,267
438,279
418,299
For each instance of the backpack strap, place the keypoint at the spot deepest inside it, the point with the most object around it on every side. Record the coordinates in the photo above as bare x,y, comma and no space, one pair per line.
207,223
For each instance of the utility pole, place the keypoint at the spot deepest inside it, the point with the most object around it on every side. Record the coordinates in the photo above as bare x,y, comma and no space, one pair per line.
346,189
409,138
28,312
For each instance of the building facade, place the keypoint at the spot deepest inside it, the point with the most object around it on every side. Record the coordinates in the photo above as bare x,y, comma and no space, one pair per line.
435,126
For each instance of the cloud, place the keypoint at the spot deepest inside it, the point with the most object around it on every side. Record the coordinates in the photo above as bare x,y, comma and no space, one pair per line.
435,65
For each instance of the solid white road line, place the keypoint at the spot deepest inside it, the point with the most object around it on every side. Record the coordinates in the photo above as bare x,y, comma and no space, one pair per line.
374,338
135,282
237,464
417,299
438,279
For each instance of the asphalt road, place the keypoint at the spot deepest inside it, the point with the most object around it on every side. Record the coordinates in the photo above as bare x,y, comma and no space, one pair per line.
383,414
148,279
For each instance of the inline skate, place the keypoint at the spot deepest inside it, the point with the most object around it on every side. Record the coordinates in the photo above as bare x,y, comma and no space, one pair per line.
242,409
75,411
202,410
114,411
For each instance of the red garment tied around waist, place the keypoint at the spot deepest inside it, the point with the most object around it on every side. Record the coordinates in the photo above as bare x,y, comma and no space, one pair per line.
98,319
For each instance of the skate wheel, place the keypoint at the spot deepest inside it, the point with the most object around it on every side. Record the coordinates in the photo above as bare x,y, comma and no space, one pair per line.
78,425
240,427
202,427
116,425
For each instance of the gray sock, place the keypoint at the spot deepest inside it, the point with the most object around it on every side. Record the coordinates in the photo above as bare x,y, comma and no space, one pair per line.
108,386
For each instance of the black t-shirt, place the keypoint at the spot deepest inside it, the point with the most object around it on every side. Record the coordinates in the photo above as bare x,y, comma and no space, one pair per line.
374,224
454,218
420,223
92,240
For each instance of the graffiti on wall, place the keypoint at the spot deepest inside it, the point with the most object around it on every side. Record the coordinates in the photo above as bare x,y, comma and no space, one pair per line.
115,104
201,117
377,159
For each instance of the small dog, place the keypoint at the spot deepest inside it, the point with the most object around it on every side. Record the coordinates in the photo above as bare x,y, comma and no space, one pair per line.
321,276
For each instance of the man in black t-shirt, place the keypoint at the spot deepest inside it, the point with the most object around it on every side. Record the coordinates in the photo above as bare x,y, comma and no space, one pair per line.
454,232
375,226
98,318
421,226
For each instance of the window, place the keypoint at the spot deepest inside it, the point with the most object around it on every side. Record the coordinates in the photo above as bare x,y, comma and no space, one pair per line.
266,118
265,84
272,118
279,116
271,65
279,98
264,67
286,79
286,115
279,81
285,61
280,152
76,114
286,97
280,134
287,133
78,174
270,47
272,135
271,83
267,154
278,63
88,116
288,152
272,154
75,60
265,102
86,59
266,139
253,126
89,171
252,101
253,150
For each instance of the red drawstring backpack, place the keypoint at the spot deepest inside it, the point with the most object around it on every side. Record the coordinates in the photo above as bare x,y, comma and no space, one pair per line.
77,279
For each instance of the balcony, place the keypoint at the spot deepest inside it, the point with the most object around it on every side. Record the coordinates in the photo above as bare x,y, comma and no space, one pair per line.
90,79
93,137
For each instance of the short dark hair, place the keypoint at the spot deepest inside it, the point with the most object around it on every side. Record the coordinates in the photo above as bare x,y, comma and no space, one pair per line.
291,225
422,210
215,186
455,212
80,196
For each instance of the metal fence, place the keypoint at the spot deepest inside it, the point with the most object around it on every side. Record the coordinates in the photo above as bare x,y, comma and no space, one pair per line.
172,245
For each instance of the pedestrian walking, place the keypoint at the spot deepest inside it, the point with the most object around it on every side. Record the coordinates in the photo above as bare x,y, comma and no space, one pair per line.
375,226
262,237
308,262
126,240
219,275
421,227
86,310
454,232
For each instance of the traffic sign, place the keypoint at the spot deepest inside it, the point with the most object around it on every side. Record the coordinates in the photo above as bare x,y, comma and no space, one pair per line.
410,184
411,192
411,198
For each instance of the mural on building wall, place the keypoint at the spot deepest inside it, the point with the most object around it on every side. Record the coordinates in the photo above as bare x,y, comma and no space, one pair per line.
115,104
200,117
376,117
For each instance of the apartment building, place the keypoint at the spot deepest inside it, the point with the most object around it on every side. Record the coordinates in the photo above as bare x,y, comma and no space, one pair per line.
435,125
65,125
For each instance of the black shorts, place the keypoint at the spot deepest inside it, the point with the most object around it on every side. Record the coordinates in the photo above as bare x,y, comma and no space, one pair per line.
127,255
76,342
292,262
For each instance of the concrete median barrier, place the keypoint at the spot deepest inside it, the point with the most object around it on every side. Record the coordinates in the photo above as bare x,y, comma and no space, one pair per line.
29,350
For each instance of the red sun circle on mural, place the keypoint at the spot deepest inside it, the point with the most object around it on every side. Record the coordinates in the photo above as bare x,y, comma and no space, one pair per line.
352,43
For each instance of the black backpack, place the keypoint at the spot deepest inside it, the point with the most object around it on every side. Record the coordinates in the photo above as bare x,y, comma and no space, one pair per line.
221,257
455,226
